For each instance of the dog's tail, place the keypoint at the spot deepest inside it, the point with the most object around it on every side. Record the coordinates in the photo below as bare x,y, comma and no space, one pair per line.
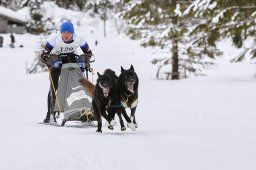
87,85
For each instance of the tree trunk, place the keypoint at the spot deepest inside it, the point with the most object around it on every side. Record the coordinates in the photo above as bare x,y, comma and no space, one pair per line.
105,18
104,25
175,54
175,60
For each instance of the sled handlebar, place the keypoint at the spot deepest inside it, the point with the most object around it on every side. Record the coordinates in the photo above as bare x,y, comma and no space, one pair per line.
50,59
70,55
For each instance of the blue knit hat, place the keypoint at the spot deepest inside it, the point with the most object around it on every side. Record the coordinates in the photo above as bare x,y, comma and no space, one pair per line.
67,27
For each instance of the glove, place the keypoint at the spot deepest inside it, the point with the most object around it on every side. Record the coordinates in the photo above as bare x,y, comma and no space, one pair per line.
82,65
44,57
89,52
44,53
57,64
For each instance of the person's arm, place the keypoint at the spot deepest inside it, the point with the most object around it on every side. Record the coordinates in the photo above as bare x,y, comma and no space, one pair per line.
48,46
86,50
88,53
46,51
85,47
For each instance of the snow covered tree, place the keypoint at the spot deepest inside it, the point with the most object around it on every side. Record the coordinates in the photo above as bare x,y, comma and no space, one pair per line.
160,23
228,19
103,8
64,3
35,25
80,4
12,4
38,23
71,4
28,3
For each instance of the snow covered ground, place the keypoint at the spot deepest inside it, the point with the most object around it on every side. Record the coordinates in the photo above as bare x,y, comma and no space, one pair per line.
201,123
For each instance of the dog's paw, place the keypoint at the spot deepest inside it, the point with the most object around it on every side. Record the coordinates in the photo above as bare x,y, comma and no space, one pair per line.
131,126
99,131
113,122
123,128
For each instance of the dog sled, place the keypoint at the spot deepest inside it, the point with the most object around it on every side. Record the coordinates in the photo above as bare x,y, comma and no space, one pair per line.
71,102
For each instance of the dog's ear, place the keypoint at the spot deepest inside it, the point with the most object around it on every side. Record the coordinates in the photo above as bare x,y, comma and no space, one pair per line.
122,69
131,68
98,74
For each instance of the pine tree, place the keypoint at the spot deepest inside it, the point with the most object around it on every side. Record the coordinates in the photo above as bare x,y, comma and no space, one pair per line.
228,19
64,3
103,8
161,24
80,4
71,4
12,4
35,25
38,24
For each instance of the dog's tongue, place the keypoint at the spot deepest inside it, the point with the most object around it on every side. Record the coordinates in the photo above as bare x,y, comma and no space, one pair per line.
130,86
105,91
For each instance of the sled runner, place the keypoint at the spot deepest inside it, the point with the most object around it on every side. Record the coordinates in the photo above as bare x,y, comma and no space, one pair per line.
72,100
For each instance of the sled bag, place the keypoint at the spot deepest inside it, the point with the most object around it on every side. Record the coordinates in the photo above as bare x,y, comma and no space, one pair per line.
72,97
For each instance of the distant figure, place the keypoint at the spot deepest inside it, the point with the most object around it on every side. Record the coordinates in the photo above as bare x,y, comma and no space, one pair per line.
12,41
1,40
96,43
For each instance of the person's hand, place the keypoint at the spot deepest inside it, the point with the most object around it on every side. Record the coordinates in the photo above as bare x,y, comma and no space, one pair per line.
89,52
44,56
82,65
57,64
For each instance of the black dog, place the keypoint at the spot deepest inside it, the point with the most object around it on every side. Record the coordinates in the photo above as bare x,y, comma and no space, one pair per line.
127,97
103,94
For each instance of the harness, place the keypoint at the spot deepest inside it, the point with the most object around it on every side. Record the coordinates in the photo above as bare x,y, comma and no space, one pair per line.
116,106
127,96
119,105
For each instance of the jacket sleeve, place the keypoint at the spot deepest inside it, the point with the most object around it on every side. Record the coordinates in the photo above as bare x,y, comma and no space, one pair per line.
84,46
86,49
